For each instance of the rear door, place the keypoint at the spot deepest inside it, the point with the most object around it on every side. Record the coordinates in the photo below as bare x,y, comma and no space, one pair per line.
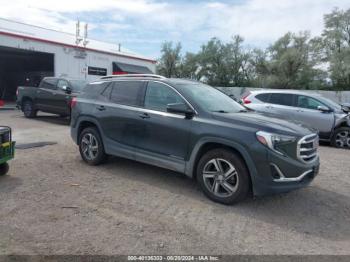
118,113
308,113
259,102
45,95
280,105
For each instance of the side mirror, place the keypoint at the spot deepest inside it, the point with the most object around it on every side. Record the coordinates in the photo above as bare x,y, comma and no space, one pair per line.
345,107
323,109
66,89
180,108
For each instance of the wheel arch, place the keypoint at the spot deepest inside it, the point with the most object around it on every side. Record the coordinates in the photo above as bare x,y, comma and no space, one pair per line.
85,122
204,145
26,98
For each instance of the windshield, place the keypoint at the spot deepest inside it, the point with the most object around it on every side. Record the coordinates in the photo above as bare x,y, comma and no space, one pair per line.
209,98
77,85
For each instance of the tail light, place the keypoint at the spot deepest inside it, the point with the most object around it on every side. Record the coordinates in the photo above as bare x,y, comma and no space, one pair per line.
245,99
2,103
73,102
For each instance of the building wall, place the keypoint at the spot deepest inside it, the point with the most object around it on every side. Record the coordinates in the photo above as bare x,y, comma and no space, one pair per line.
70,61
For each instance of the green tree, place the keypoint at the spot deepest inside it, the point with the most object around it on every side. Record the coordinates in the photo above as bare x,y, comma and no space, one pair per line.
336,43
190,67
290,63
170,61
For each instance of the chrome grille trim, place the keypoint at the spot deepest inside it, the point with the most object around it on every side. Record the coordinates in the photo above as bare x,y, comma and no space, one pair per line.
307,148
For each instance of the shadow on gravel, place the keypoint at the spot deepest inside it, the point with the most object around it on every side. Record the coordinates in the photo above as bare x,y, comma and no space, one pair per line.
171,181
9,183
311,211
53,119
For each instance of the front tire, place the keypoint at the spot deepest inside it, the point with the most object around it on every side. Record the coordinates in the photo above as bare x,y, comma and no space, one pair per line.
28,109
223,176
341,138
91,147
4,168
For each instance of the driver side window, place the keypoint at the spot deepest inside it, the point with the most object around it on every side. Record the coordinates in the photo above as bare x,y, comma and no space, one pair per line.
158,96
308,102
61,83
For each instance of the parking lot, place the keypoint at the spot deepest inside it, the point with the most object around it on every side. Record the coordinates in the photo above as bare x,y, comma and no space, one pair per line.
53,203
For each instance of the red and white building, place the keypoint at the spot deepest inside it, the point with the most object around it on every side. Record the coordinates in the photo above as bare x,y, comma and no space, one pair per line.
28,53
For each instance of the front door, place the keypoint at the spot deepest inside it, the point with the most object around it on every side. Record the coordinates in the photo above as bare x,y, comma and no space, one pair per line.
62,98
45,95
308,113
166,134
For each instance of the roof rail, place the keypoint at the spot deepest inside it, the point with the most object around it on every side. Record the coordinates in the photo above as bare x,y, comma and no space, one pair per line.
133,75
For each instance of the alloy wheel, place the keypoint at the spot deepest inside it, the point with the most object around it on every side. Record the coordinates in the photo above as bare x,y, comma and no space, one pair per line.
89,146
342,139
220,177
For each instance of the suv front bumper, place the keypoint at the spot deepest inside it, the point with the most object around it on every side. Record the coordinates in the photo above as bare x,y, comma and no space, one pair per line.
280,174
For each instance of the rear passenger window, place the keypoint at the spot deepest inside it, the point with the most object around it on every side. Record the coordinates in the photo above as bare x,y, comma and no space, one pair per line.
127,93
263,97
281,99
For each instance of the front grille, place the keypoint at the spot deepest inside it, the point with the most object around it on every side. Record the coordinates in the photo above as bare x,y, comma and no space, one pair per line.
307,148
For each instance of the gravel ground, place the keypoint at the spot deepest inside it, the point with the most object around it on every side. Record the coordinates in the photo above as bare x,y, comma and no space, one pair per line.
53,203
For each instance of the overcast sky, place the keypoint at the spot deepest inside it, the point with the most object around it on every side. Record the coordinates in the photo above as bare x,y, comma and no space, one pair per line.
142,25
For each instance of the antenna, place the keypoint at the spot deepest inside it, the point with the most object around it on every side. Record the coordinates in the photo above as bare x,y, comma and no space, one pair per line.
85,41
77,33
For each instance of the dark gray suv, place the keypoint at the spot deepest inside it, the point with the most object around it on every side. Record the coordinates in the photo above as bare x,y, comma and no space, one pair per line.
194,129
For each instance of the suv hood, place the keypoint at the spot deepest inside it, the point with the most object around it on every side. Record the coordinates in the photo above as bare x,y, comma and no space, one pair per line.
262,122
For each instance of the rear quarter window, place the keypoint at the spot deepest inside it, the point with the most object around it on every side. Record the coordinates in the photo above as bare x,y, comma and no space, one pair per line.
93,90
263,97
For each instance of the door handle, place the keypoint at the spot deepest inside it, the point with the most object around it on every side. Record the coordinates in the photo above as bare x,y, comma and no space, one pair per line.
101,108
144,115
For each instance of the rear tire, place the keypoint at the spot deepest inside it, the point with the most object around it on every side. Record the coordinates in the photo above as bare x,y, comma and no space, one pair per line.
223,176
91,147
4,168
28,109
341,138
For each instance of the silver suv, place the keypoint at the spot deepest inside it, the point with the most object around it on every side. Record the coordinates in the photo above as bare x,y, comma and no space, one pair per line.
329,118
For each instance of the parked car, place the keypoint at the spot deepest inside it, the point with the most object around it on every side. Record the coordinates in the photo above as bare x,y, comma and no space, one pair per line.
194,129
329,118
7,149
53,95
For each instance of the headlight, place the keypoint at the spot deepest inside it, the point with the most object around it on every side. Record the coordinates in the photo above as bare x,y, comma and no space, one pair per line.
274,141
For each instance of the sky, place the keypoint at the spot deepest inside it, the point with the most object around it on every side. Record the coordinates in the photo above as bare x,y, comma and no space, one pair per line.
143,25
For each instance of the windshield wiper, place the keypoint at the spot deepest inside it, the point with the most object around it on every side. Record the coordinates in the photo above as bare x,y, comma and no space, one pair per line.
243,111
